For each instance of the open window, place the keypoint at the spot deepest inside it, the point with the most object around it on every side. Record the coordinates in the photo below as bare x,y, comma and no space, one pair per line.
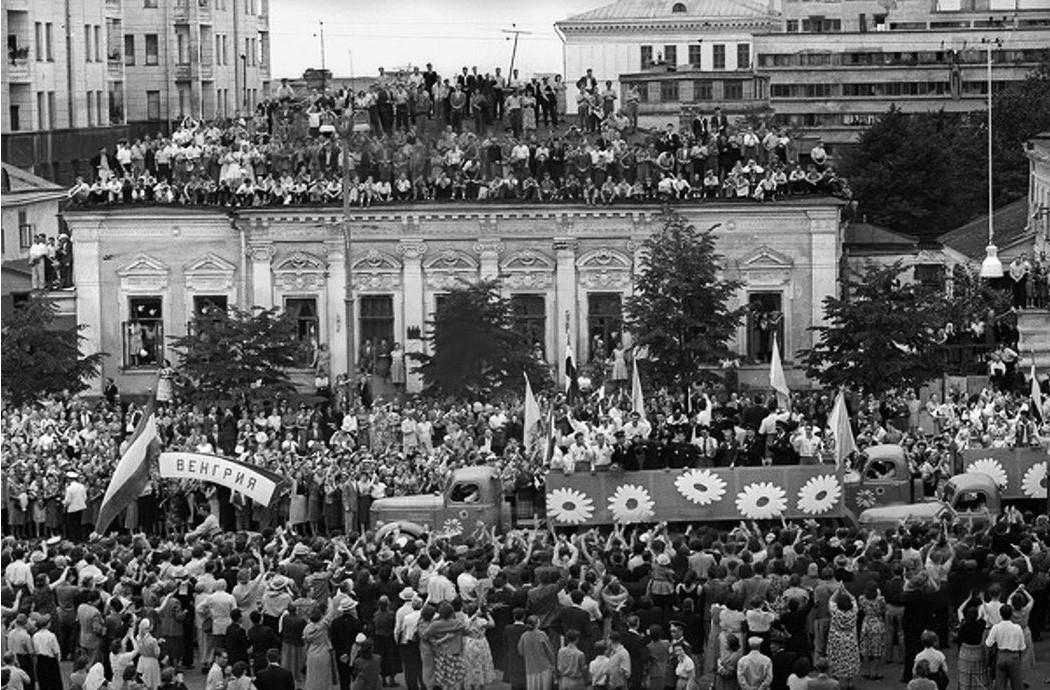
466,492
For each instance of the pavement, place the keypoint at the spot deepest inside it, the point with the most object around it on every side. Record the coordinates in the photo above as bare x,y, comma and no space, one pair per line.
1037,679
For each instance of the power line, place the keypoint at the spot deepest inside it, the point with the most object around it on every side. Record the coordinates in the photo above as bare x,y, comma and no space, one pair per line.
514,53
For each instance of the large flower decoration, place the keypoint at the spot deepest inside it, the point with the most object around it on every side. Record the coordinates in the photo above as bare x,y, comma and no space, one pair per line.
631,503
866,498
989,467
761,501
702,487
1033,484
819,495
452,527
569,506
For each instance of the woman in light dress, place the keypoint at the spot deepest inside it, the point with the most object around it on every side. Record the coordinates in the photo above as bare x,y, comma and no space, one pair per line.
477,656
149,655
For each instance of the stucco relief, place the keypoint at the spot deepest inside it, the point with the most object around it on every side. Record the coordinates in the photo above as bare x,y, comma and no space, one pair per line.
300,271
210,273
376,282
144,273
605,279
532,280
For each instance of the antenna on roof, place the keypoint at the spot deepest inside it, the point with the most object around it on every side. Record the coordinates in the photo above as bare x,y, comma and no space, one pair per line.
514,51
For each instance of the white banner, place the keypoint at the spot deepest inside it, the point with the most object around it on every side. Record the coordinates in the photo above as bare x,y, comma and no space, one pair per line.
234,475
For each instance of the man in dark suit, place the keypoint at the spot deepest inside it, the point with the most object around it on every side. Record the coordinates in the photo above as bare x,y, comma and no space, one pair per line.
261,638
719,122
343,632
273,677
635,644
236,639
575,618
515,674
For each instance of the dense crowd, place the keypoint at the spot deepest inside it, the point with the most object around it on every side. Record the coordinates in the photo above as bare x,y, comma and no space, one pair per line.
415,137
51,261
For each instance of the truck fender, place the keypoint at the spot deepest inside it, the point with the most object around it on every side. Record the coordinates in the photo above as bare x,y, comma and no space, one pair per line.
850,518
413,529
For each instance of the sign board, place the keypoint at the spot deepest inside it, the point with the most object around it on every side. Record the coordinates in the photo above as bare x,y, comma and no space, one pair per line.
254,482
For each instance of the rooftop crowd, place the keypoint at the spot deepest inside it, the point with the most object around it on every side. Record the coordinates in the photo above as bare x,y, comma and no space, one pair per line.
419,137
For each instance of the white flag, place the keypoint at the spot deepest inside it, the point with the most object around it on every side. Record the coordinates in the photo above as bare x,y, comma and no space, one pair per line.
637,399
777,380
841,430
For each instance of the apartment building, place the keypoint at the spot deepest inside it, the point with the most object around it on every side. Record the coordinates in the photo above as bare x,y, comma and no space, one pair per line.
81,74
823,68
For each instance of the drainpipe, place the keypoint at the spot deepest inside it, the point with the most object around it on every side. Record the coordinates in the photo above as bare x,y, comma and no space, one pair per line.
69,65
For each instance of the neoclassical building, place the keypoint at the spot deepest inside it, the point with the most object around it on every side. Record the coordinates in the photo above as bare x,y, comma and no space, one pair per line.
143,273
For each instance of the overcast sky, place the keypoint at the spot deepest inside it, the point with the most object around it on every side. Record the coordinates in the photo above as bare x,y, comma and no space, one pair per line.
362,35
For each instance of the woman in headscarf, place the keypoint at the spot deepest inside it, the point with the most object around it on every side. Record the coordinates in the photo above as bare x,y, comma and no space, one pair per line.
445,633
319,662
149,655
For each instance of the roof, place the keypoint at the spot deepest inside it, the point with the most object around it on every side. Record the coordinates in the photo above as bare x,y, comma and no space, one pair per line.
23,187
1010,223
868,235
662,9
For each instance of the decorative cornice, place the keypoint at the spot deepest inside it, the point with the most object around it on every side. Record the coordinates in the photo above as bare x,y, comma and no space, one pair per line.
489,246
261,251
565,244
412,250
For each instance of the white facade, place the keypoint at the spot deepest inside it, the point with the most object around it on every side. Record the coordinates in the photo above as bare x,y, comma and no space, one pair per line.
1038,150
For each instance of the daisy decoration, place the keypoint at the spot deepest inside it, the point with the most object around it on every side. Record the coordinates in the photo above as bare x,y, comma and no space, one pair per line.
569,506
631,503
761,501
702,487
989,467
819,495
1033,484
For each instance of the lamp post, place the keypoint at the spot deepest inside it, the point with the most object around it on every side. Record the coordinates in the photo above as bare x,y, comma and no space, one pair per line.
991,267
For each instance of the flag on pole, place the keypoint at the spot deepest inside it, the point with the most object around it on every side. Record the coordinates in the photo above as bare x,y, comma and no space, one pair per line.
637,399
132,472
1037,396
532,420
841,430
777,380
572,385
548,452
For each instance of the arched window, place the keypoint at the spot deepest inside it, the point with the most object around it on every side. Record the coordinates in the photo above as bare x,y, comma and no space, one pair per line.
678,8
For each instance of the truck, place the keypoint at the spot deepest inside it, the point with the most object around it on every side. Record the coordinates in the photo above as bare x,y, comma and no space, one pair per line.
881,494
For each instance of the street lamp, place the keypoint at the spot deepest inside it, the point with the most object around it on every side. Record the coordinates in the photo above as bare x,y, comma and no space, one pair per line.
991,267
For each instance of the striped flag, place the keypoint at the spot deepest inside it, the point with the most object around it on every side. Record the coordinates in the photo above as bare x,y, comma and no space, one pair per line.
777,380
132,472
532,420
637,399
841,430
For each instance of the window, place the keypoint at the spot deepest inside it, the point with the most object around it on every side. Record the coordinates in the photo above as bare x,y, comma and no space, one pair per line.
25,231
743,56
87,43
695,53
98,107
153,105
51,109
116,103
218,49
13,112
90,110
792,26
49,41
669,91
466,492
209,307
702,91
180,49
225,52
671,55
149,4
38,49
719,56
97,32
144,332
930,275
529,315
41,110
129,49
604,321
303,312
733,90
376,321
647,57
183,100
152,51
765,319
678,8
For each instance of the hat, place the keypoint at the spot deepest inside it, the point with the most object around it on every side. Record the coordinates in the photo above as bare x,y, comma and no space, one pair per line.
385,554
755,641
360,639
279,582
1002,561
663,559
71,474
37,556
347,605
462,550
407,594
53,540
300,550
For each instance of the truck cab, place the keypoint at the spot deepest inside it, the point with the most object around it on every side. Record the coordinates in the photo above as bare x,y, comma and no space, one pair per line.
885,479
971,497
472,496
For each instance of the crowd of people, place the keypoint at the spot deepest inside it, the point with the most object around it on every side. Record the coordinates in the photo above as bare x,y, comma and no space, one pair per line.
418,137
51,261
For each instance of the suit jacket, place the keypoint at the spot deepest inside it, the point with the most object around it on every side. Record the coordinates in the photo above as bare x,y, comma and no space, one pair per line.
515,661
635,643
262,638
274,678
237,643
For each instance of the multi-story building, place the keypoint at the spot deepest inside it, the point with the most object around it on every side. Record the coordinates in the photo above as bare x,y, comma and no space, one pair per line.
202,58
142,273
85,74
63,83
823,68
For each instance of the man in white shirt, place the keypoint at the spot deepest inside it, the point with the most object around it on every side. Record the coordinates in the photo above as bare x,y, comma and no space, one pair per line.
18,572
216,679
808,445
38,262
1008,637
637,427
75,503
440,588
221,603
754,671
406,624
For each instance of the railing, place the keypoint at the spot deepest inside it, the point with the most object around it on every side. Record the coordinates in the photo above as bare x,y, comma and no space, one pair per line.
207,71
968,359
115,64
182,72
113,7
19,68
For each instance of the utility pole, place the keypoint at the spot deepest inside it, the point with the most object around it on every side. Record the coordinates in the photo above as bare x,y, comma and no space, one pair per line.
514,52
324,76
348,311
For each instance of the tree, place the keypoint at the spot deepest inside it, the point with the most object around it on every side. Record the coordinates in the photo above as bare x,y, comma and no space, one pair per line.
888,333
679,311
475,349
238,355
1020,111
40,357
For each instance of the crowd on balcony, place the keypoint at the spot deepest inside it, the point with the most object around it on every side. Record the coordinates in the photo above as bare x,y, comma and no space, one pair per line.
51,261
416,137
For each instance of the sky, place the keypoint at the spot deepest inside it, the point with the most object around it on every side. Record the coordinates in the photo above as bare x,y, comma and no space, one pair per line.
362,35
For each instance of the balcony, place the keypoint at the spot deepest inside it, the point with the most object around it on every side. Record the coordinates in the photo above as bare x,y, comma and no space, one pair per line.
115,65
183,72
19,68
180,14
114,9
204,12
207,71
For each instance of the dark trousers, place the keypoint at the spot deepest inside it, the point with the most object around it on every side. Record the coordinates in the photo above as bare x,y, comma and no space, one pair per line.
345,675
71,528
412,664
25,662
1008,671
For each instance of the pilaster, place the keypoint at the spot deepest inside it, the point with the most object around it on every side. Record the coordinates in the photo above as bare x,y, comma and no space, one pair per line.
335,286
565,296
412,251
86,268
488,250
260,255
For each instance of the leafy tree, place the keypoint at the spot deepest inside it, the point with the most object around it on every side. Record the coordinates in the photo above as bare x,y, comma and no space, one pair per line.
40,357
475,348
238,355
887,333
1019,112
679,311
